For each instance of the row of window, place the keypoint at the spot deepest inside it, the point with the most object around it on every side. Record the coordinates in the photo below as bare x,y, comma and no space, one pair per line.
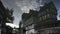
30,27
49,10
45,12
46,17
29,21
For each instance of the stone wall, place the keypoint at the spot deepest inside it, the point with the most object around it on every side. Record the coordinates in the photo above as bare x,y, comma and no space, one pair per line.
53,30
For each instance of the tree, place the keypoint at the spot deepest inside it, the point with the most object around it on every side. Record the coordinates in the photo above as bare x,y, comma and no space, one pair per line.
6,15
9,15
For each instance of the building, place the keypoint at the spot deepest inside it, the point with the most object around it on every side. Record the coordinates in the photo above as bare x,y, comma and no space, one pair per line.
47,16
39,22
29,20
58,23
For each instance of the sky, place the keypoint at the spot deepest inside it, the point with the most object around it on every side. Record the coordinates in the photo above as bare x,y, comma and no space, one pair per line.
23,6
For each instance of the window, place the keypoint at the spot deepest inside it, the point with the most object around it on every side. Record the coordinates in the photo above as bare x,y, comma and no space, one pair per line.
0,25
53,15
45,16
40,19
1,16
21,25
47,10
48,15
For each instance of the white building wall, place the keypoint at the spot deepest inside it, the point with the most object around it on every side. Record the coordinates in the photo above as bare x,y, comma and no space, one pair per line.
30,29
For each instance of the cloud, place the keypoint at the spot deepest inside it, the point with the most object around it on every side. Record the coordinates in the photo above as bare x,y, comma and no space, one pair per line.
21,6
25,5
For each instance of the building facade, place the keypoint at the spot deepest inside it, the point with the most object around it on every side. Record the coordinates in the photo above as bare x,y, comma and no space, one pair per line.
39,22
47,20
29,20
47,16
